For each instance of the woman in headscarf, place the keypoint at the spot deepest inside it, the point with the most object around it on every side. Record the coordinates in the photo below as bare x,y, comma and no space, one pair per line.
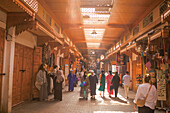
85,85
109,79
115,83
71,79
102,82
58,80
53,75
41,83
48,78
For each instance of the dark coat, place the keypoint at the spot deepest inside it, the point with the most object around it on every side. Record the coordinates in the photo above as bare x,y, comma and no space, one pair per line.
115,82
93,82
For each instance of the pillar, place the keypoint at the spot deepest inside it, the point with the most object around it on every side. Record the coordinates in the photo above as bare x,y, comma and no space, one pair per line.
130,70
7,80
58,57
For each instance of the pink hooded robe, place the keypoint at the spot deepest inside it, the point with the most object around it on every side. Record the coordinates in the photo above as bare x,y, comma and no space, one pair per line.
109,79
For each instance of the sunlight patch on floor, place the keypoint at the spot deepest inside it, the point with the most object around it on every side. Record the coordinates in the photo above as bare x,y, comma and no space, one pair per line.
112,112
110,101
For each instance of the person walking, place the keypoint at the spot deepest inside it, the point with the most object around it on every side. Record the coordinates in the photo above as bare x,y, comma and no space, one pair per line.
93,81
102,82
115,83
148,93
126,82
58,80
109,79
61,70
85,85
82,72
41,83
53,75
48,78
71,79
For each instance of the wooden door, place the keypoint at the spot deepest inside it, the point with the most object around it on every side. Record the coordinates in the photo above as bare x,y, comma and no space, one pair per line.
134,65
27,74
2,40
22,75
17,75
37,63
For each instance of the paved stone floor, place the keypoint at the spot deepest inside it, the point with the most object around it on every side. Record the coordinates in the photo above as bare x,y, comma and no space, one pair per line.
72,104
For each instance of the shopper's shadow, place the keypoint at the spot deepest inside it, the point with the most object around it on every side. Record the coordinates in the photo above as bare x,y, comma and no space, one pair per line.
105,99
119,100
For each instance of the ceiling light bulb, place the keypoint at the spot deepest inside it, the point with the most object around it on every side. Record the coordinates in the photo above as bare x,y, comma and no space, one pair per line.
94,33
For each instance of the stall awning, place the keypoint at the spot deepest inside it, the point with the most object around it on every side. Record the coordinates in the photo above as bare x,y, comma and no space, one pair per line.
166,16
155,36
128,48
41,31
117,50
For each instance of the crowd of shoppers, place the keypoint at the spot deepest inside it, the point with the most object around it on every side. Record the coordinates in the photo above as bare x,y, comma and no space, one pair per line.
49,81
88,82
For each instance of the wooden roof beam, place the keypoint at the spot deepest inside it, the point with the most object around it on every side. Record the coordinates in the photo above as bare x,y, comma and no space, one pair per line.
95,6
94,48
93,41
110,38
73,26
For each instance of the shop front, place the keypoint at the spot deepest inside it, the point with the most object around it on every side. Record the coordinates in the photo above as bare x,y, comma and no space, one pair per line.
154,60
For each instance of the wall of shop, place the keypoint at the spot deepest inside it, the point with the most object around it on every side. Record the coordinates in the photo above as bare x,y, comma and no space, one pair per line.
134,66
26,38
3,18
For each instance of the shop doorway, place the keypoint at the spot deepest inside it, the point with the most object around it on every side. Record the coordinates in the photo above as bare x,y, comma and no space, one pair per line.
22,75
113,68
2,40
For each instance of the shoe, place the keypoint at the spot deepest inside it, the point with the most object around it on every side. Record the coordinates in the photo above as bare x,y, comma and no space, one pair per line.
93,98
55,99
84,98
46,100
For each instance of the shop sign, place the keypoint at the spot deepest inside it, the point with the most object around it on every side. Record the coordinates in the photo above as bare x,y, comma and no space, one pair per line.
161,85
66,69
33,4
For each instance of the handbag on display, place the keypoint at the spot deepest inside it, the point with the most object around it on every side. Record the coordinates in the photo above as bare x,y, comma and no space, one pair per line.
140,102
